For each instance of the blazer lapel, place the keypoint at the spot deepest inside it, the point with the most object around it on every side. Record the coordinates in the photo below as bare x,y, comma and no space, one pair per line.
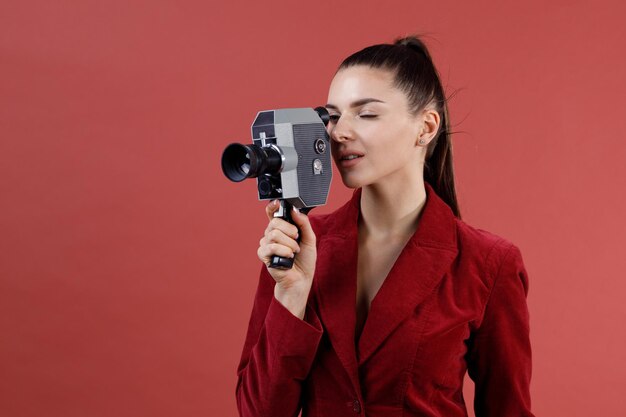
418,270
415,275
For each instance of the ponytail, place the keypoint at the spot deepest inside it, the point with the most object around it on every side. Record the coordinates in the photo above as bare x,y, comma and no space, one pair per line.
438,166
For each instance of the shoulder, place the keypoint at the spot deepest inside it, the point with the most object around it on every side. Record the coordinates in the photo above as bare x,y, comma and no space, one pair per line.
470,237
488,251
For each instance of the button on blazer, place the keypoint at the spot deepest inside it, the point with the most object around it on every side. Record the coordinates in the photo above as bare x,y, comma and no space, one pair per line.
453,302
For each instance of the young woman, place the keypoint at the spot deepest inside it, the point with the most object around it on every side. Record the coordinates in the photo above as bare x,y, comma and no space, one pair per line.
392,297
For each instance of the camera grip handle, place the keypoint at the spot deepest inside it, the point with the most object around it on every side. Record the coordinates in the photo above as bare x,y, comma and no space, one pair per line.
284,212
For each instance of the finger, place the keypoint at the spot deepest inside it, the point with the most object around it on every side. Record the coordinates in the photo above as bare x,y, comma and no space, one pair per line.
278,236
271,208
266,252
306,231
282,225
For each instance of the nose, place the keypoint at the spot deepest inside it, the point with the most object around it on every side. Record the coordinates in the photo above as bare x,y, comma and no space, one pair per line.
340,131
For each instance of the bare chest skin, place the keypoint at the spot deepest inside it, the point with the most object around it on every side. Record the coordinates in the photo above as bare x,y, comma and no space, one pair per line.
376,257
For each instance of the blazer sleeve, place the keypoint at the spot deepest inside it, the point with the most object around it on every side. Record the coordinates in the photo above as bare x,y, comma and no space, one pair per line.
277,355
499,355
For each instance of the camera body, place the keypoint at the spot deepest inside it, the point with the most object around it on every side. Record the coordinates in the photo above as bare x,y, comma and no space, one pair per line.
302,140
290,156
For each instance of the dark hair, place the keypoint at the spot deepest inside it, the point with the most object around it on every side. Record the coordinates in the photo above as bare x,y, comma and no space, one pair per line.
416,75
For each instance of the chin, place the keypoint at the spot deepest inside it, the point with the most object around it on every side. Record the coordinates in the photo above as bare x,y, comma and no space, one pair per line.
353,183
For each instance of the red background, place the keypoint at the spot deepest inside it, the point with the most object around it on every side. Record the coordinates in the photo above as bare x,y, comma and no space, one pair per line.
128,262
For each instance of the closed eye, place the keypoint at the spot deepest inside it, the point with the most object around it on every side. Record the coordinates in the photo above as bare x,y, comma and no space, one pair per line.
334,117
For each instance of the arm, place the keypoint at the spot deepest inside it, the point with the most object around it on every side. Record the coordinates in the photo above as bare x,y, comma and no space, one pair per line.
277,355
499,357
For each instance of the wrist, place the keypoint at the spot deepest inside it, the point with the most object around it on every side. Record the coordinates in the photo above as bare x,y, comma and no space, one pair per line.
293,299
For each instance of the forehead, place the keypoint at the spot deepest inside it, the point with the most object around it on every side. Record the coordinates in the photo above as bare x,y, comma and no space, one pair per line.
357,82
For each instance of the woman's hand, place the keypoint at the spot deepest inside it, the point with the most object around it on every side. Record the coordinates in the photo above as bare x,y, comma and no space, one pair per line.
292,285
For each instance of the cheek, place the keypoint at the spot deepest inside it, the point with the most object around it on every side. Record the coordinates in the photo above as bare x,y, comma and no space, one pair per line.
396,139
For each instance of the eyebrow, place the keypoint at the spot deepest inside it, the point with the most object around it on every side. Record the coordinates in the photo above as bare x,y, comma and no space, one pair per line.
357,103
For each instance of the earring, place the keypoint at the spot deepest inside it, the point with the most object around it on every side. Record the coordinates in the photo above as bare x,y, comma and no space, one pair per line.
421,141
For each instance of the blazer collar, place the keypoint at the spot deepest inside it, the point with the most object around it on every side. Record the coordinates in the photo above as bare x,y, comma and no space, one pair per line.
418,269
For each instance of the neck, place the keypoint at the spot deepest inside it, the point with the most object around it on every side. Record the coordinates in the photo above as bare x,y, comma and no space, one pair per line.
390,211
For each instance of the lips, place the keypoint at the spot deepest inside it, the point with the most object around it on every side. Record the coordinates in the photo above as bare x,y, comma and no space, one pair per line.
349,155
348,159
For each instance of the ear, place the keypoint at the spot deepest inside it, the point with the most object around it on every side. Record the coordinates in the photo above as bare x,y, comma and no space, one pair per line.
429,126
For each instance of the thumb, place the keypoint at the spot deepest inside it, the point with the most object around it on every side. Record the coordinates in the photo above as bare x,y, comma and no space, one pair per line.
307,236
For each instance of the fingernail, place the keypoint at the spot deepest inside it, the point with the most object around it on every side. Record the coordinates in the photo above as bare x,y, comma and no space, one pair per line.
295,209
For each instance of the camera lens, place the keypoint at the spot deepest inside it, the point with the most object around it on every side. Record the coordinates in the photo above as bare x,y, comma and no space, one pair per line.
249,161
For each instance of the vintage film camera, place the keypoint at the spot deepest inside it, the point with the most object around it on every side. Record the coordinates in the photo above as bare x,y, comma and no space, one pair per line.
290,158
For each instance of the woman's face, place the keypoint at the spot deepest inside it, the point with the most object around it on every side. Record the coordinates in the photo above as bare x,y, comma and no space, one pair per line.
370,119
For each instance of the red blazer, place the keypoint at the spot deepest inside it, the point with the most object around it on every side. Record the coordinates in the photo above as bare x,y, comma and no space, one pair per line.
454,301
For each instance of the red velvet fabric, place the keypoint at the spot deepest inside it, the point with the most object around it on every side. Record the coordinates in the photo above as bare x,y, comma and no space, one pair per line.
454,301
